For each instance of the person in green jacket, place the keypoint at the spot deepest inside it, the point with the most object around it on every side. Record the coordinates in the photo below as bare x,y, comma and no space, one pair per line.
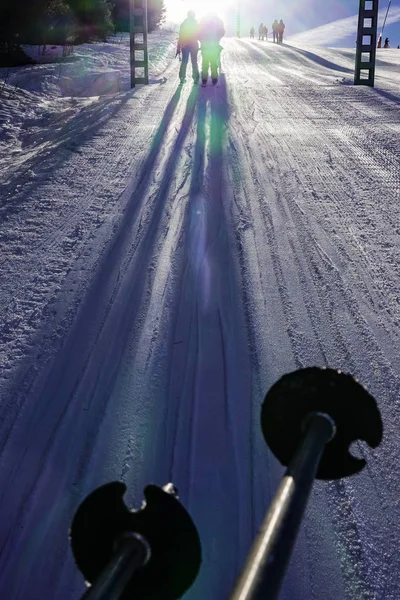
211,30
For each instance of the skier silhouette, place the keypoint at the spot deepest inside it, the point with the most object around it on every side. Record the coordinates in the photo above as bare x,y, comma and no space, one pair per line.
211,30
188,44
281,31
275,26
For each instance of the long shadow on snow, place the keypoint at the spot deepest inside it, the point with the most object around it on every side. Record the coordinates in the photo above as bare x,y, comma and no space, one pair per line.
350,54
25,380
318,59
387,95
59,146
206,414
175,407
62,391
258,49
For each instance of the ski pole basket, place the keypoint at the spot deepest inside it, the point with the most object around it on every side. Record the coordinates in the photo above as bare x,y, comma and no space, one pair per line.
309,419
148,554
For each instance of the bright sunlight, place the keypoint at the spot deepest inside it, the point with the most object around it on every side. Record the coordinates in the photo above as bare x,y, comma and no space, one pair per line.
177,9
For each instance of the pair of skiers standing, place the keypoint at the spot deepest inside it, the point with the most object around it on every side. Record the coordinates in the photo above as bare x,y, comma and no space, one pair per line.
278,29
262,32
208,32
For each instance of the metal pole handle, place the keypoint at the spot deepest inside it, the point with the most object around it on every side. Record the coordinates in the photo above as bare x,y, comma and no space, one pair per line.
263,572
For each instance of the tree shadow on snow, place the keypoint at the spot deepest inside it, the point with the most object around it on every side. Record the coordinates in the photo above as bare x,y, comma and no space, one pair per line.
57,144
156,144
318,59
24,377
387,95
52,383
62,139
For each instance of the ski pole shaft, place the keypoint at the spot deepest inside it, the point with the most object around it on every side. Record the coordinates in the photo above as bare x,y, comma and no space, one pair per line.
386,16
263,572
131,554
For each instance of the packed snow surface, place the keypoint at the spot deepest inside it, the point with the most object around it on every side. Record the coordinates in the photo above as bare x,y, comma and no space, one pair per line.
167,254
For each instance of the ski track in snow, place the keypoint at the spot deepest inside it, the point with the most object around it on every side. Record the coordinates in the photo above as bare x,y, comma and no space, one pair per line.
166,256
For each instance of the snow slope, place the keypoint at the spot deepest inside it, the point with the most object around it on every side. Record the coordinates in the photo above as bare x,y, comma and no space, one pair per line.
39,100
166,255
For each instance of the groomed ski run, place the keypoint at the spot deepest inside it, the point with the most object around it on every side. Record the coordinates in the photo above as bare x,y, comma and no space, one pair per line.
166,255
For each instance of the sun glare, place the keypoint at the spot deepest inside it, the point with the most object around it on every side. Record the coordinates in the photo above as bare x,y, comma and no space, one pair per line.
177,9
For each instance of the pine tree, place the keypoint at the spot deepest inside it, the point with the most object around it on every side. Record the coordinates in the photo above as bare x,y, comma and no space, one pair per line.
156,13
45,21
92,19
29,22
120,14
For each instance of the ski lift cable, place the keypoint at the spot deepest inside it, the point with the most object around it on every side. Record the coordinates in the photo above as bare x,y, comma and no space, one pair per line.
384,22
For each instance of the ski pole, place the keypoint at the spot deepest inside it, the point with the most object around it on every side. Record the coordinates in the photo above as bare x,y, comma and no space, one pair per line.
384,22
132,552
150,554
309,419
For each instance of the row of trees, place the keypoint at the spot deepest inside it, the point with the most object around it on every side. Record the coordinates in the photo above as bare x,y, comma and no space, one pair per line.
120,14
63,22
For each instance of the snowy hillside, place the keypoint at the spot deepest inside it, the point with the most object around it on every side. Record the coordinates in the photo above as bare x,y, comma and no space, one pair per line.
36,101
166,254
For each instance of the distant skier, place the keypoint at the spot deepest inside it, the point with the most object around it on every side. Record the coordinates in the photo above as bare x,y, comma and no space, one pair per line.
275,27
252,33
261,31
386,43
266,33
281,31
211,30
188,36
